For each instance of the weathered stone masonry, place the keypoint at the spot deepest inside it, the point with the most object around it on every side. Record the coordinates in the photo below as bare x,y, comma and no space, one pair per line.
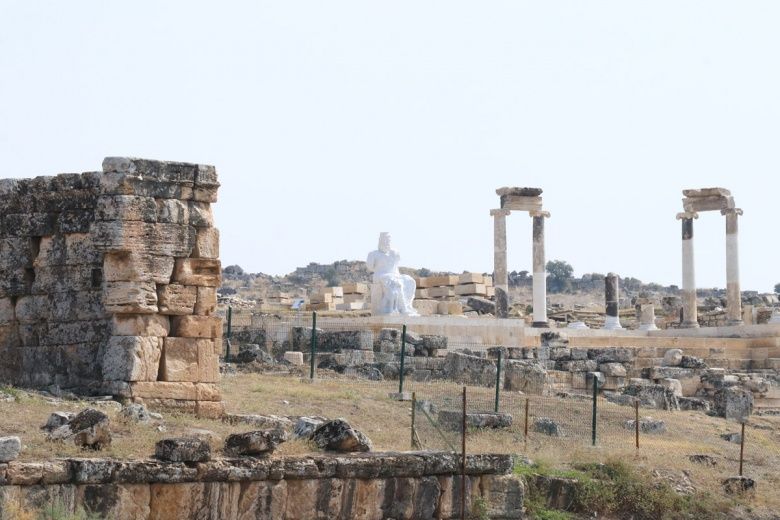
108,283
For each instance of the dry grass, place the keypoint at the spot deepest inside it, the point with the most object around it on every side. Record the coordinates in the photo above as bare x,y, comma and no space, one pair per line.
366,406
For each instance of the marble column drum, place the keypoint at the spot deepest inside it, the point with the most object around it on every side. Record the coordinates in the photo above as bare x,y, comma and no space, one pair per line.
690,312
647,317
500,277
612,294
539,270
733,293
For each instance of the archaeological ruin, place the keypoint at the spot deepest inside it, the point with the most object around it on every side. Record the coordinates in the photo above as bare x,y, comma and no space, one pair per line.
109,283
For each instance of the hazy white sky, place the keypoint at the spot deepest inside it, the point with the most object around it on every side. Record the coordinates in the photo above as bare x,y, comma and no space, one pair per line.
332,121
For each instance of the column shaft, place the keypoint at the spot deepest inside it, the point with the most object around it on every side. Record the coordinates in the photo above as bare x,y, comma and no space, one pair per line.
500,277
539,271
690,312
733,293
612,296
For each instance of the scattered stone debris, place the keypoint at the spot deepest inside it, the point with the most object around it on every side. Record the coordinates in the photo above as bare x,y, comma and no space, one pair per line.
733,403
10,447
453,420
182,449
6,397
255,443
739,485
653,396
265,422
646,425
736,438
680,482
305,426
136,412
693,404
338,435
89,429
547,426
57,419
705,460
673,358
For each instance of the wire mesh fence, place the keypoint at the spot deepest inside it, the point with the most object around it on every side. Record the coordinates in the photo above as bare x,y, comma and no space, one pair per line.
420,391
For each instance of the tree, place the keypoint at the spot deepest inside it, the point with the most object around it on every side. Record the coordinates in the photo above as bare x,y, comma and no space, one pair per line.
424,272
560,275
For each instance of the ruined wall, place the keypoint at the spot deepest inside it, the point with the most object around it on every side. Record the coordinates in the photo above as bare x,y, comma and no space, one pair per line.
108,283
370,487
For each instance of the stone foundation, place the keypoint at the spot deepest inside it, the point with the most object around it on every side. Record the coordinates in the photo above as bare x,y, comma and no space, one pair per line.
108,283
421,485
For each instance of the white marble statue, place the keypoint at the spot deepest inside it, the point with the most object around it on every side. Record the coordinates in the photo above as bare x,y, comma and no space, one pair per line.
391,291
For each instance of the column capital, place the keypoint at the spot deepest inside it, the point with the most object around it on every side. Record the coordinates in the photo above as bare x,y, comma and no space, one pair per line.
499,212
687,215
737,212
539,213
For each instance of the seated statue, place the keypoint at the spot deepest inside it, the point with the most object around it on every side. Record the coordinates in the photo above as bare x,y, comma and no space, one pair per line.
391,291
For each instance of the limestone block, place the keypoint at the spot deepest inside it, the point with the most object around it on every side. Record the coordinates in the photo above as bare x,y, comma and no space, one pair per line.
176,299
206,195
126,207
165,171
321,298
355,288
140,325
207,392
441,292
29,224
206,243
164,390
130,297
294,358
128,267
354,298
202,272
439,281
467,278
142,237
426,307
471,288
173,211
201,214
79,249
71,333
209,409
132,358
208,363
335,291
7,311
454,308
51,251
76,305
31,309
422,293
196,326
206,302
62,278
180,359
15,253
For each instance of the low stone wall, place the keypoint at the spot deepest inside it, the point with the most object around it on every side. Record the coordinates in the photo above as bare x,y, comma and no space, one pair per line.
418,485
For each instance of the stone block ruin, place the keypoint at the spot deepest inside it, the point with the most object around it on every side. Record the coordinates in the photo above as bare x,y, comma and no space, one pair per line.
108,283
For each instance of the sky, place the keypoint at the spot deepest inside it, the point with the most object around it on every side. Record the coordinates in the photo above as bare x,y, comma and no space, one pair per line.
329,122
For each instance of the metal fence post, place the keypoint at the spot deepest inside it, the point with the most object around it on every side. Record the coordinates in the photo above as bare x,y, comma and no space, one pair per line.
463,461
636,423
313,343
595,399
498,380
229,333
414,410
525,426
403,355
742,448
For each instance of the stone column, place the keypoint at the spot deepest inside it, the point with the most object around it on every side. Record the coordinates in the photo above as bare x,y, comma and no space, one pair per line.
539,269
775,319
733,293
647,317
500,277
612,295
690,313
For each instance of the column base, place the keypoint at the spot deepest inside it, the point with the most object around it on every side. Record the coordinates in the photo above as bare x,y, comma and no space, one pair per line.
612,323
540,325
580,325
648,326
734,323
689,325
775,319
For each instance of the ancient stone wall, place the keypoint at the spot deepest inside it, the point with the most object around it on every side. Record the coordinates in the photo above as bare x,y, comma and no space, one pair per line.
108,283
371,487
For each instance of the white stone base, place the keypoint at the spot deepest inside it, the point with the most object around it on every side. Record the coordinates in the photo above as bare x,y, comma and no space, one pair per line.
775,317
580,325
294,358
648,326
612,323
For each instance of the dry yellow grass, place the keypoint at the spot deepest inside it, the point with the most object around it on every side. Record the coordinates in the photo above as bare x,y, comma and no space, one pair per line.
365,404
